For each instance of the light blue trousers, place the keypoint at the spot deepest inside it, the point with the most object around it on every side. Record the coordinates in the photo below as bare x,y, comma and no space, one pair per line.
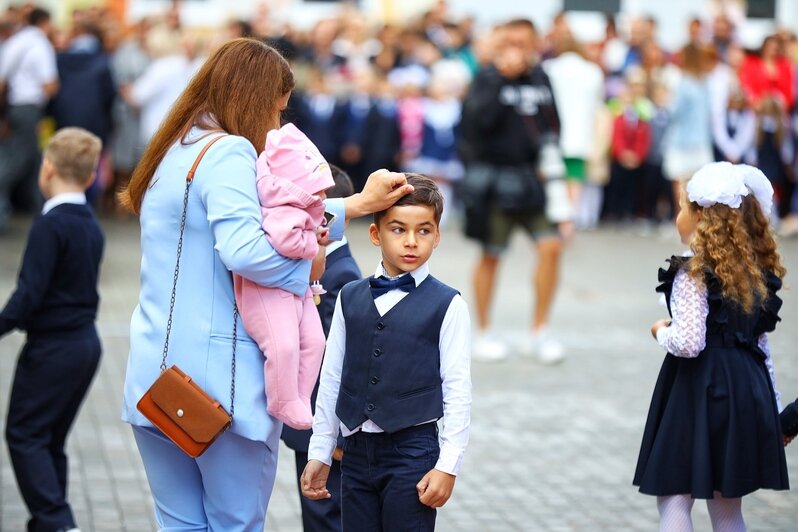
226,489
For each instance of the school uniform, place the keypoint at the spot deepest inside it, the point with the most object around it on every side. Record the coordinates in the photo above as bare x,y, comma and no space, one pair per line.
713,423
324,514
386,390
55,302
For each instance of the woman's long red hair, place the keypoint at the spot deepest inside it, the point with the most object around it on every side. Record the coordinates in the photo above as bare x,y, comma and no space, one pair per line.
236,90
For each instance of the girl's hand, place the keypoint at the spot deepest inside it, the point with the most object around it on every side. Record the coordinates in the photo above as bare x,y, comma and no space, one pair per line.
788,439
658,325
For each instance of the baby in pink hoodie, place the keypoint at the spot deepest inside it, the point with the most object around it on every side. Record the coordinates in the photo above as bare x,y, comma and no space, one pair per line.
292,178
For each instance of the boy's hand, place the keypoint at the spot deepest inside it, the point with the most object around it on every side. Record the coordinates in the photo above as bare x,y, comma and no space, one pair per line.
435,488
314,480
338,454
788,439
658,325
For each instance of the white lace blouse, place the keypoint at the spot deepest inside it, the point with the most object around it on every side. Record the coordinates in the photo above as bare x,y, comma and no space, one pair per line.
687,334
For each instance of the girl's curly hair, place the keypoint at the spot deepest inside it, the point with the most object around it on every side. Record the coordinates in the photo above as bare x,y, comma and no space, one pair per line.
738,247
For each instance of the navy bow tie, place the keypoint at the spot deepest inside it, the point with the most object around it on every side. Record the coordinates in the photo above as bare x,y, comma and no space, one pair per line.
382,285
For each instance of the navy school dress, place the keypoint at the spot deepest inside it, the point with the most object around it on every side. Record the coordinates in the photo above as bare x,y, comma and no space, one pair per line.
713,423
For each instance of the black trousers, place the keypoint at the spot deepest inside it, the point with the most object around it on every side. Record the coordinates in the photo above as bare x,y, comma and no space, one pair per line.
323,515
379,473
52,377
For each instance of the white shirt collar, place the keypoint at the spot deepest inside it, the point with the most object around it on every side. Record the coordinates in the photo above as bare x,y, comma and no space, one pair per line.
419,274
335,245
75,198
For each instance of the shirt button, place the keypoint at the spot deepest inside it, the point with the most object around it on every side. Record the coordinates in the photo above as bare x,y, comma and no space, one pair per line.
380,325
370,407
377,352
375,380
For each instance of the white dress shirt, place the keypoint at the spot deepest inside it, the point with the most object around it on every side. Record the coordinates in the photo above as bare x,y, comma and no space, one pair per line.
27,63
455,369
75,198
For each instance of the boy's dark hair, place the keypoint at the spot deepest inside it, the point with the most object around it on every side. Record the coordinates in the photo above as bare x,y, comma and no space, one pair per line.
38,16
425,193
343,187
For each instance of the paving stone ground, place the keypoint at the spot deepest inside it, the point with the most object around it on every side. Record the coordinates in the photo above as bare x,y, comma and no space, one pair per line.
552,448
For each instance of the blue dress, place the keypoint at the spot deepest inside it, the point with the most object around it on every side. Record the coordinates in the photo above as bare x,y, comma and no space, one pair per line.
713,423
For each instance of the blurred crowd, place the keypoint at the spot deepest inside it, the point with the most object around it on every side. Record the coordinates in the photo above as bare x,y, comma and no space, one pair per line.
634,118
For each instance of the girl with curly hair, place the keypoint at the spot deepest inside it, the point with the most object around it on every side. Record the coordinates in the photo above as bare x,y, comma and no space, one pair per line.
713,425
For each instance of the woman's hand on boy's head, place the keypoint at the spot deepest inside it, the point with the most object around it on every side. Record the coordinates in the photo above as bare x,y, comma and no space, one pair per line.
313,482
435,488
382,189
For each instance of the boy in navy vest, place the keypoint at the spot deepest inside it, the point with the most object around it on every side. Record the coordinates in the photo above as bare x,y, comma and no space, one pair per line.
397,361
55,302
325,514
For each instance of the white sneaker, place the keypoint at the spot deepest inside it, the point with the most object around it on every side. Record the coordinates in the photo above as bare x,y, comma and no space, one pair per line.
546,349
488,348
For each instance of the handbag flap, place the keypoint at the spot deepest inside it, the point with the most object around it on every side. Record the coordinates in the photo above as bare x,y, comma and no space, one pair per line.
193,410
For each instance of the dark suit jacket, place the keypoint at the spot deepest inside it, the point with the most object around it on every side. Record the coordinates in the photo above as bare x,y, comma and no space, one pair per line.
341,269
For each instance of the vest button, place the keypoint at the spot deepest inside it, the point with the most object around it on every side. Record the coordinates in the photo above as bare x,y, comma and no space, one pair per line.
377,352
375,380
380,325
370,407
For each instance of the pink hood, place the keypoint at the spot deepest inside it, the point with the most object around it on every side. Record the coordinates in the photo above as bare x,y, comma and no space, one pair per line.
290,155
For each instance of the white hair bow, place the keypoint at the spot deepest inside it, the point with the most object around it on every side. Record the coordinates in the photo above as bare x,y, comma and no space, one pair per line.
759,185
717,183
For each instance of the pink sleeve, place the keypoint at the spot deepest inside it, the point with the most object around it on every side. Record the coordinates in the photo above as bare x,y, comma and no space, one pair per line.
291,231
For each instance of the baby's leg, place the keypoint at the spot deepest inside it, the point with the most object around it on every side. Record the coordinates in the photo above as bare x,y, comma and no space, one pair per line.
311,347
674,513
726,514
273,322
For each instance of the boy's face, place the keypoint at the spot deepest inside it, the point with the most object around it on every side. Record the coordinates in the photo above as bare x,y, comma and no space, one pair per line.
407,235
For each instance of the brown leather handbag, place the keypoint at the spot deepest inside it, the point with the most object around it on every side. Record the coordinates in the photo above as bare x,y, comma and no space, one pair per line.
175,404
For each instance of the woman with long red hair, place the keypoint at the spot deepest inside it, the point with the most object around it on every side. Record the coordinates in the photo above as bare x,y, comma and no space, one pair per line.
238,95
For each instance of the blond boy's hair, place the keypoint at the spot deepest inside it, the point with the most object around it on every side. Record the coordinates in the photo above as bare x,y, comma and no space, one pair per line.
74,153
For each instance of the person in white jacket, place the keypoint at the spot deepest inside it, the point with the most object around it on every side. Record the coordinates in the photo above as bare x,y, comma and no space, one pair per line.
578,86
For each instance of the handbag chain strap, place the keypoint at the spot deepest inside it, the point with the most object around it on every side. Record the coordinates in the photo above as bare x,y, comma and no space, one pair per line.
189,179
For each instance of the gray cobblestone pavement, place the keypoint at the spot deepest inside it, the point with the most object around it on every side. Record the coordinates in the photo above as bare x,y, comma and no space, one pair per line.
552,448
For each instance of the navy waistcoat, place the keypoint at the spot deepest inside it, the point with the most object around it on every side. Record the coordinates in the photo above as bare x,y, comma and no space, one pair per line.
391,371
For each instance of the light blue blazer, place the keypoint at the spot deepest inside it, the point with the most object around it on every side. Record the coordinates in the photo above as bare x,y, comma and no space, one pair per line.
223,234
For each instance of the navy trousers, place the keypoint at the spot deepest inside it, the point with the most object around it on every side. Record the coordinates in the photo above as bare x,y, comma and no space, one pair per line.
52,377
323,515
379,473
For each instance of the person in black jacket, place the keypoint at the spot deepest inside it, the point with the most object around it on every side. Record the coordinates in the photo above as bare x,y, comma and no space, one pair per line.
55,302
87,90
341,268
509,127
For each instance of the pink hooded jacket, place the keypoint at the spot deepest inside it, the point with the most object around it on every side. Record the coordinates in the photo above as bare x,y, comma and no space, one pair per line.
290,172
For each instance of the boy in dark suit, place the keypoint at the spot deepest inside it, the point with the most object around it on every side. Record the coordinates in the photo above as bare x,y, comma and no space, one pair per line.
397,361
341,268
55,302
